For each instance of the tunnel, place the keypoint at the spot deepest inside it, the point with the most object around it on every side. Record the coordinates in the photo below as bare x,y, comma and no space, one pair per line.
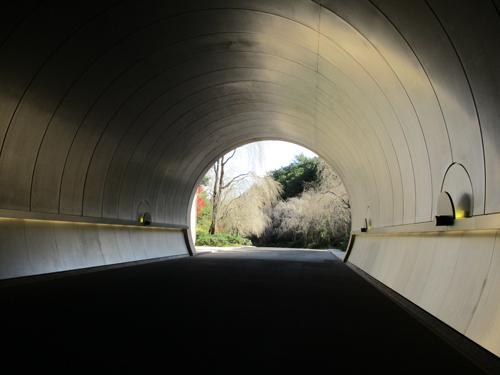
114,109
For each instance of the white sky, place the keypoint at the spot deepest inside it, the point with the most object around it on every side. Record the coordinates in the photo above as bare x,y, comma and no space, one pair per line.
276,154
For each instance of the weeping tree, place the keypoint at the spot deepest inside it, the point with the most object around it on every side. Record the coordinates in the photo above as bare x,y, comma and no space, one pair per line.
319,217
246,213
221,189
239,198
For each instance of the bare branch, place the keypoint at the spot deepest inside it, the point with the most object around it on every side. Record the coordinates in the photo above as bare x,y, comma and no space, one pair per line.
229,158
237,178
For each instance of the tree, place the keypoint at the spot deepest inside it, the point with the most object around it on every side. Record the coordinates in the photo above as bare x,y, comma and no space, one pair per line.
237,199
319,217
200,201
296,176
245,214
203,211
220,189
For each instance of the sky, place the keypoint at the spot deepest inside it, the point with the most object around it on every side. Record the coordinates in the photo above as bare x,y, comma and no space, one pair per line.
276,154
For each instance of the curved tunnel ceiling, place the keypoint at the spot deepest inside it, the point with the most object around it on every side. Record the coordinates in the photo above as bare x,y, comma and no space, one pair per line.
106,104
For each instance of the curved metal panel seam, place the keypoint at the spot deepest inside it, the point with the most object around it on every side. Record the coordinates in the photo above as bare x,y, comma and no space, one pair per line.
230,135
13,29
370,125
407,95
423,69
217,98
111,48
170,88
395,114
472,96
145,133
171,169
178,118
204,171
484,284
131,95
27,248
54,52
190,197
471,184
174,193
332,142
369,122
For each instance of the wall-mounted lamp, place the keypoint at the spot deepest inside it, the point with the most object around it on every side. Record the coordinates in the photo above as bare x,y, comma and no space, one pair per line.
145,218
365,228
445,210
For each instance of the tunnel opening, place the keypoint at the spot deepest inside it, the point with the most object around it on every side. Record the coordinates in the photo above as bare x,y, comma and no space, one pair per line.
271,194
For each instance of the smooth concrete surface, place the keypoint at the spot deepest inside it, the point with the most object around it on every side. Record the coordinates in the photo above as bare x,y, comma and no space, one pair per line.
451,276
243,311
33,247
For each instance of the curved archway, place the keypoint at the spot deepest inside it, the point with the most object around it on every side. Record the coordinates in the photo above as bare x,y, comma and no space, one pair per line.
108,104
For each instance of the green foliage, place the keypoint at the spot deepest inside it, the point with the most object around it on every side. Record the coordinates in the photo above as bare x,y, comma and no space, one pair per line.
205,181
205,239
294,177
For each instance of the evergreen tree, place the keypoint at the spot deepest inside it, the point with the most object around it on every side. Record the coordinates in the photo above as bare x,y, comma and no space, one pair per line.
296,176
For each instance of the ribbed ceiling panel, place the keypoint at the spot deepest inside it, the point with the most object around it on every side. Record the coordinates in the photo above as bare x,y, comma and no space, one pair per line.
106,104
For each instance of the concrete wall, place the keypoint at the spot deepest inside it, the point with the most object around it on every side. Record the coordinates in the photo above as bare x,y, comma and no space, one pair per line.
33,247
452,275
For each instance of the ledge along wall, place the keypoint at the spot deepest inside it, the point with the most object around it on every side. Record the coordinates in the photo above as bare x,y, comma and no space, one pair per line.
109,109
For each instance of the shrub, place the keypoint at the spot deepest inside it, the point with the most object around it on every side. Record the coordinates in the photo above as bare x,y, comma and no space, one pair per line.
205,239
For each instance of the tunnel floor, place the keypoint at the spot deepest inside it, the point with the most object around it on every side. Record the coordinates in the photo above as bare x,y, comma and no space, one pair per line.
246,311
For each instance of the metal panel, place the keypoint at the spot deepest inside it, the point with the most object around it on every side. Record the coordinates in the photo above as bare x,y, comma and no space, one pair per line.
387,251
14,257
370,71
83,97
127,252
447,76
440,276
138,243
155,246
42,247
68,245
485,324
381,257
397,249
358,251
411,246
468,280
470,27
423,267
91,247
109,245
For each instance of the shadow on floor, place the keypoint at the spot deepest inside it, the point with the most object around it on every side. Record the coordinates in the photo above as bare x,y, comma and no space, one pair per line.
241,311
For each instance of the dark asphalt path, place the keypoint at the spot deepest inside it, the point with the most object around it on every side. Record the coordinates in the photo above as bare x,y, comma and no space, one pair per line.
231,312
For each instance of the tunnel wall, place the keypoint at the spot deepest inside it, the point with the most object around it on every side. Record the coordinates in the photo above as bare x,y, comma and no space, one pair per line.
120,103
454,276
34,247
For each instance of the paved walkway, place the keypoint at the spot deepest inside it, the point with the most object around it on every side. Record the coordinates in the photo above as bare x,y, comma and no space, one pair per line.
237,311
